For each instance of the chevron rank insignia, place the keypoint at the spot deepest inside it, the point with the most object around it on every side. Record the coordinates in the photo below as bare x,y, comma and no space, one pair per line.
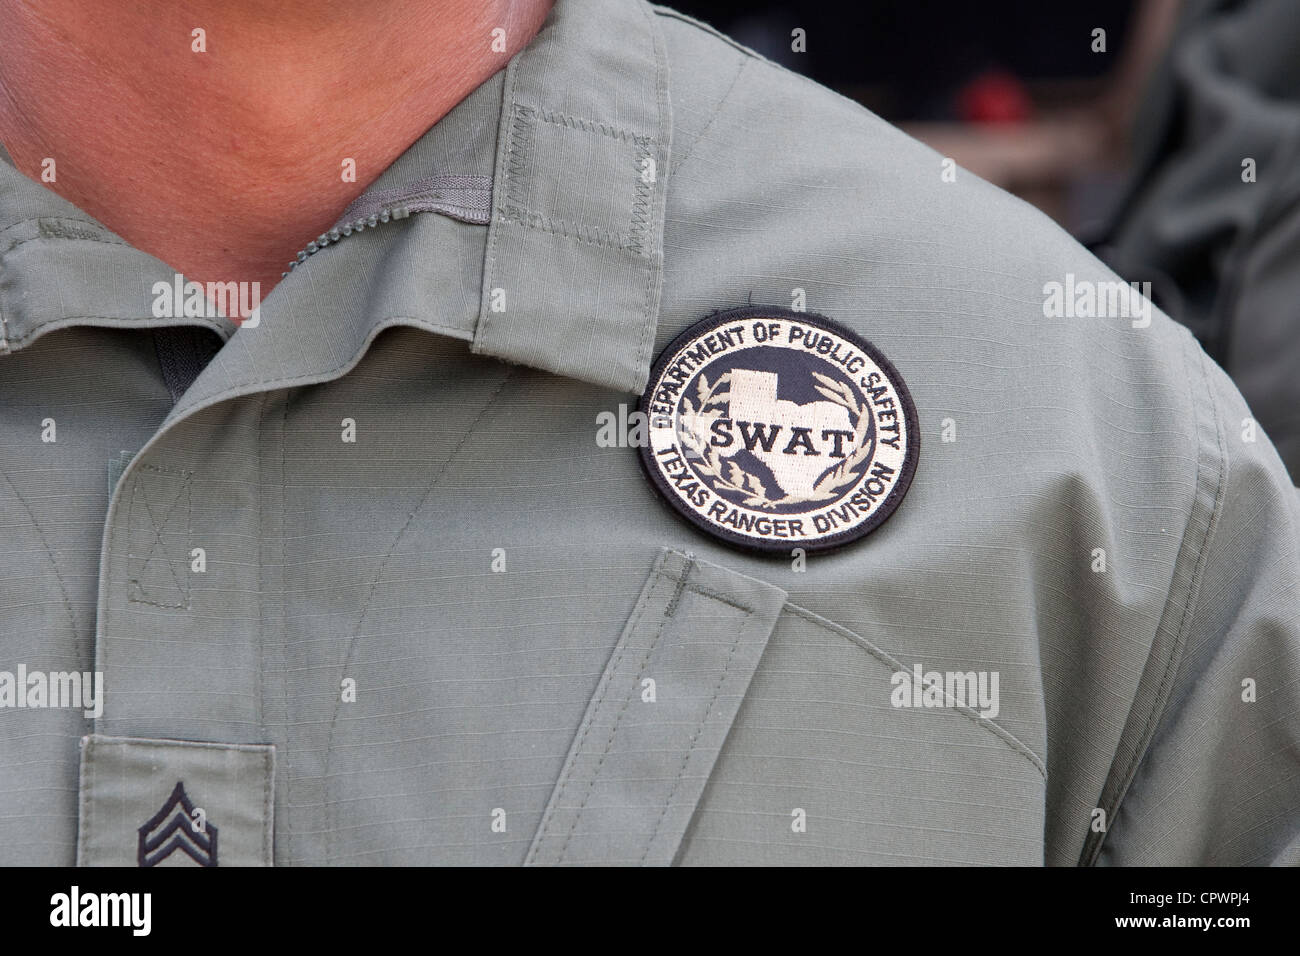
774,430
178,830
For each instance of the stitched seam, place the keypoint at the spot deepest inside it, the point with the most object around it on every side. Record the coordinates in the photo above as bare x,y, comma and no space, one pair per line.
157,536
639,219
690,748
473,215
514,208
284,641
894,665
42,219
453,331
182,586
503,169
374,584
58,575
720,598
87,804
648,322
168,743
1185,618
670,14
43,326
143,600
669,611
268,809
590,235
699,137
575,122
6,344
261,571
164,470
654,256
520,141
589,719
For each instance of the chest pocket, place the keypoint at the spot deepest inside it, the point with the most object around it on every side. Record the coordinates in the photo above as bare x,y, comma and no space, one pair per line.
732,727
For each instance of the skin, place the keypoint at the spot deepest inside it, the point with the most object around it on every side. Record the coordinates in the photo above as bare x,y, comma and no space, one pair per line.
224,163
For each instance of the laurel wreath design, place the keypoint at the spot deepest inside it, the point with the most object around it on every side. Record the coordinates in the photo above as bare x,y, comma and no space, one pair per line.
734,478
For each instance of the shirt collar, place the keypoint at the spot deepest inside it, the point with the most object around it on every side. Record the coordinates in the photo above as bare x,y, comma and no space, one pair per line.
565,275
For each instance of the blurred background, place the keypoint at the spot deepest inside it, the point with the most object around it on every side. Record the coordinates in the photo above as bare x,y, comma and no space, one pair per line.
1163,134
1011,89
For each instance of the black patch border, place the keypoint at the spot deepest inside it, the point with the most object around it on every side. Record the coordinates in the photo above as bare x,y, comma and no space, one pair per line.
783,546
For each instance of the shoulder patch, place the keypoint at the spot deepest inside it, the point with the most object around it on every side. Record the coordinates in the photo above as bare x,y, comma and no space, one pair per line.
775,430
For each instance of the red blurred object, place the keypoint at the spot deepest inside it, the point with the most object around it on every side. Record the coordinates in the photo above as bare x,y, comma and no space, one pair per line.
994,96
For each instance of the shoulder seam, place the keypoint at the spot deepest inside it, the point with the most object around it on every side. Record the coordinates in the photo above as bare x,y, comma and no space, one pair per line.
671,14
991,726
834,95
1118,784
680,161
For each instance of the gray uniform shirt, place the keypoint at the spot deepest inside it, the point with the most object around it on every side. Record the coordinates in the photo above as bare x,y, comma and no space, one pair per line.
372,590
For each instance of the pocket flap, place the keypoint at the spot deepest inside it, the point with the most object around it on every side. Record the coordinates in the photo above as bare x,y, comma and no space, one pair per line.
147,802
663,707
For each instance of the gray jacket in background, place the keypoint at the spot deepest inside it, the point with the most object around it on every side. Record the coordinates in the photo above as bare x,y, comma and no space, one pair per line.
1212,215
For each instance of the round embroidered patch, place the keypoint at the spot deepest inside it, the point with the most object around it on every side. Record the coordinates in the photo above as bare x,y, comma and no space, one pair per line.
776,430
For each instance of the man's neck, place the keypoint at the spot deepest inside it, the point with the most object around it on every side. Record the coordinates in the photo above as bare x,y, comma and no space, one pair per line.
224,162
